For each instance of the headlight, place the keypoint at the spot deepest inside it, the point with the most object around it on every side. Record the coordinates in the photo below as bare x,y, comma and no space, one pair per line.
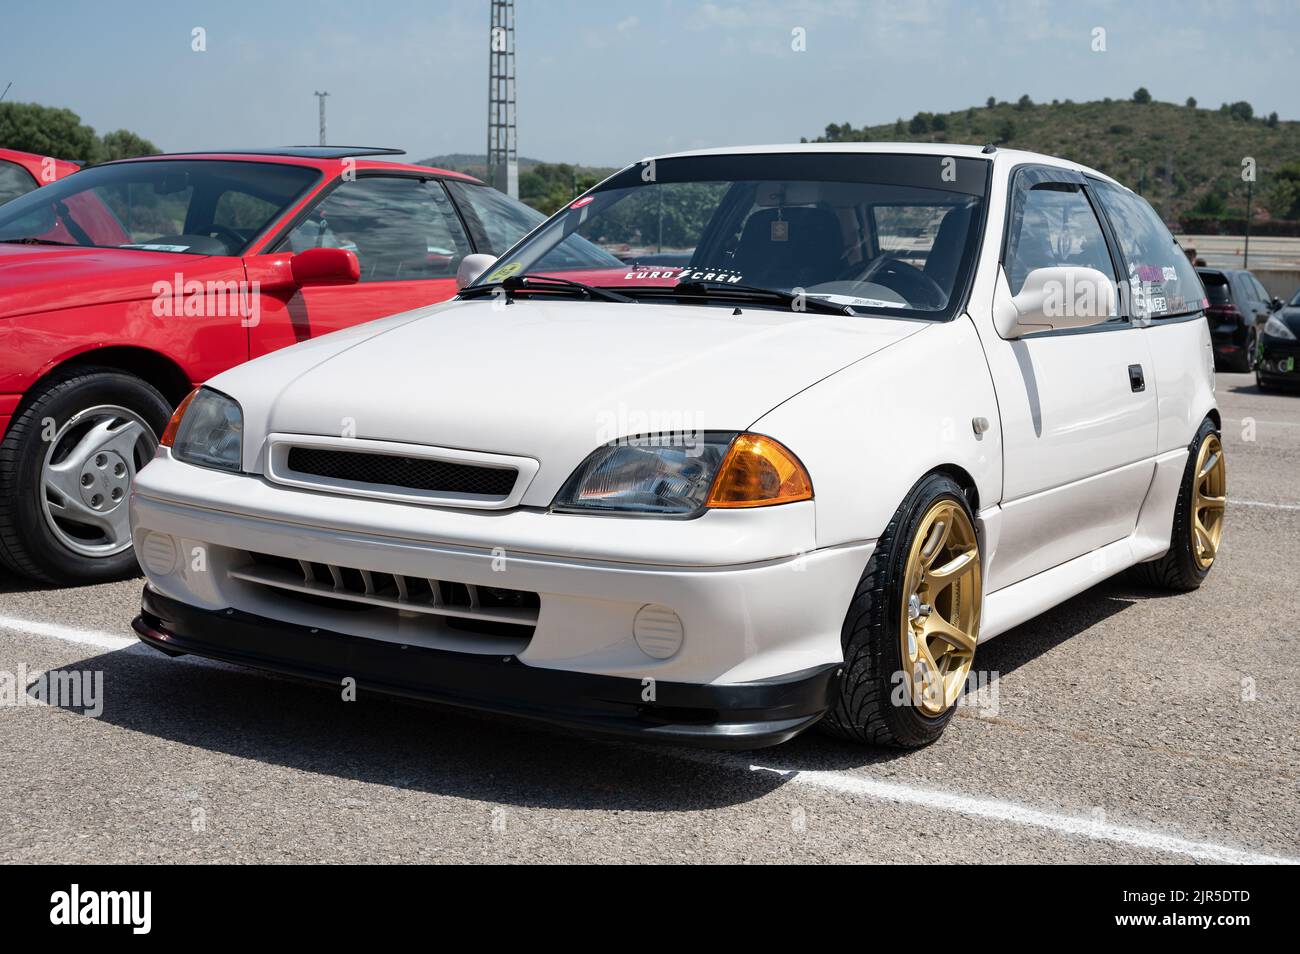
677,475
1275,327
207,430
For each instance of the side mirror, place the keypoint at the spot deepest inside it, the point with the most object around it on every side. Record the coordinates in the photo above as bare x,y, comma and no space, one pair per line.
1063,296
325,266
1277,304
471,267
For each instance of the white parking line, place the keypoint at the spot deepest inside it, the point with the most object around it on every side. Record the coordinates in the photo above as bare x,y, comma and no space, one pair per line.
843,783
1241,420
1260,503
69,634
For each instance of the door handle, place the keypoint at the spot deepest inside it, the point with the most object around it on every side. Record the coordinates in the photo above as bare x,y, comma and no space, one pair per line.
1136,379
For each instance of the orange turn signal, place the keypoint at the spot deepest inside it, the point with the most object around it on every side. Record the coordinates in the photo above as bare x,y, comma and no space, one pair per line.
174,425
759,472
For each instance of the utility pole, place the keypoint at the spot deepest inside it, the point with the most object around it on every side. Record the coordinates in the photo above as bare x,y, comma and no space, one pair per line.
1250,198
321,96
502,146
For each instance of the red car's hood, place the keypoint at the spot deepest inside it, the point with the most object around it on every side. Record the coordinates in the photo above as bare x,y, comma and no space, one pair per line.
36,278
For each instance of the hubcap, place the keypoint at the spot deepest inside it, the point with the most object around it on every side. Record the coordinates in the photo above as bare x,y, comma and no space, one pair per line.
941,612
86,478
1209,496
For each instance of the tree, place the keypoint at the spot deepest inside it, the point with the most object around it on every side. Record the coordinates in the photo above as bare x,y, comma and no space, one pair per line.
1241,110
47,131
124,144
991,102
1271,122
920,124
1024,102
1141,95
1286,190
1191,102
939,123
900,128
1211,204
1006,132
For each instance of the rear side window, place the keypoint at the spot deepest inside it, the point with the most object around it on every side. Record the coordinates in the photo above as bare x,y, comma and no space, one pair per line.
496,220
1162,281
14,181
1216,288
1053,224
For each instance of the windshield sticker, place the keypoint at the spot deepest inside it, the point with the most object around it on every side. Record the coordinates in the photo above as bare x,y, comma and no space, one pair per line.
159,248
710,275
1170,273
505,271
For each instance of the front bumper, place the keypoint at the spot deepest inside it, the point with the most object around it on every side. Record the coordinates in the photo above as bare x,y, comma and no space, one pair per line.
735,715
1279,361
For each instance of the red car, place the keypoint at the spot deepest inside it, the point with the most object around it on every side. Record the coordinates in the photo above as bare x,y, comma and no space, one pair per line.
126,285
21,172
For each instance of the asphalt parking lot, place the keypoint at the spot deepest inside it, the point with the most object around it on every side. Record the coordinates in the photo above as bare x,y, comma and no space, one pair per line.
1129,726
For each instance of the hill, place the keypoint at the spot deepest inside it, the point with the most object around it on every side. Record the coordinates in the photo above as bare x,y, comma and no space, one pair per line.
1185,160
544,185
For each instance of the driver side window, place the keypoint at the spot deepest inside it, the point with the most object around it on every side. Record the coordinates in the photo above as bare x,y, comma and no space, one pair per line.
1053,223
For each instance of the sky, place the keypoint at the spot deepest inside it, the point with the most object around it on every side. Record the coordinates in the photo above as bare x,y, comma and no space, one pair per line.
606,83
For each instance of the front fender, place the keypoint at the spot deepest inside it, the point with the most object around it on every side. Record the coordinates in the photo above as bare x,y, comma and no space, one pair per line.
867,433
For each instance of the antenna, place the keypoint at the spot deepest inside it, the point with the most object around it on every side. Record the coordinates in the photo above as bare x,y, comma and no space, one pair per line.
502,147
321,96
6,92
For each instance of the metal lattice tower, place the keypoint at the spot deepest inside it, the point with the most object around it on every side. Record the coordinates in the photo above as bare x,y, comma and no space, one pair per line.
321,97
502,147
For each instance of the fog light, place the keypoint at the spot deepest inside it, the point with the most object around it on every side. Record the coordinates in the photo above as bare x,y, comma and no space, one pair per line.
658,631
157,553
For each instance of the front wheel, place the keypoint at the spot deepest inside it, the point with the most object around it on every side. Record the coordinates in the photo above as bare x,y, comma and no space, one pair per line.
910,633
66,467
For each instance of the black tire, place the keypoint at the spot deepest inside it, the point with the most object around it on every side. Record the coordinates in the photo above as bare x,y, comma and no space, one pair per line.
1243,361
865,709
1178,569
27,544
1261,384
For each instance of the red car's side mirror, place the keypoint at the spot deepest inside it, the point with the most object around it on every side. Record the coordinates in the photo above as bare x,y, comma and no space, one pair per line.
326,266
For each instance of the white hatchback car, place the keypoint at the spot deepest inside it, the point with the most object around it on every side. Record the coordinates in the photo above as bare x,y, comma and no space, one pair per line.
739,442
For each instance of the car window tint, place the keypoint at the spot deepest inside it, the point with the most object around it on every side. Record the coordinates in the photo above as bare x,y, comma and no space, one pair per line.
1053,224
496,220
401,229
1163,283
1216,288
14,181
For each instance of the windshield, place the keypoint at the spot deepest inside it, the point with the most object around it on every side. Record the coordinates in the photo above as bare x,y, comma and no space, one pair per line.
197,207
888,233
1295,301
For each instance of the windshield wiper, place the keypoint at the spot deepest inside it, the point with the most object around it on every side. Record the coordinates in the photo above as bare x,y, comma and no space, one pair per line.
726,291
528,282
33,240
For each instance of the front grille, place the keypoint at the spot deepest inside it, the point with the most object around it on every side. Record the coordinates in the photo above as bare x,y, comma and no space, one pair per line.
484,610
412,473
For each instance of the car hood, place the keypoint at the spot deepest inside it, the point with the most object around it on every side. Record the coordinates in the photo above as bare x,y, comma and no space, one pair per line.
1290,317
547,380
36,278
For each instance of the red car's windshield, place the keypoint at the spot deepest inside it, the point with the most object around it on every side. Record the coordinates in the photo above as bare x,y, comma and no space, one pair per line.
188,206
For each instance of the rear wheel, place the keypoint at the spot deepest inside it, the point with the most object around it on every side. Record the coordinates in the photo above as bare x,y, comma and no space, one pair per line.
1198,519
66,467
910,633
1243,361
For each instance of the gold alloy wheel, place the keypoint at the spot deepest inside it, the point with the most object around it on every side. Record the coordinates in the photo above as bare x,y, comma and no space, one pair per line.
942,598
1209,495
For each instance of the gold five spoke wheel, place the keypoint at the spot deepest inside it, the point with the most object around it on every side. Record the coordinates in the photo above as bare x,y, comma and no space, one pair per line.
941,607
1209,494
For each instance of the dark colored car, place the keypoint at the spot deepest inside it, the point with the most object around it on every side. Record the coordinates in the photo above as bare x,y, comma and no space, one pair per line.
1279,348
1238,308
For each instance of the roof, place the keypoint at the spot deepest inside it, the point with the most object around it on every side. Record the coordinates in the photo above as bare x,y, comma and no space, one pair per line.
960,150
324,158
306,152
